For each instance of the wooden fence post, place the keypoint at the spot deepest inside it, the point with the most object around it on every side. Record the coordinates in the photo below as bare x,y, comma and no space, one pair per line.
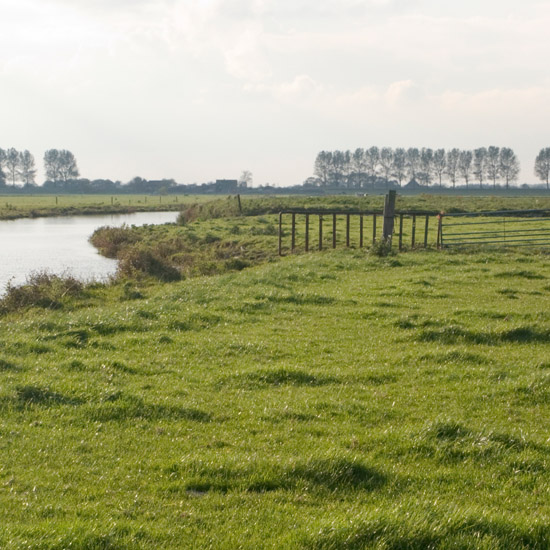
280,233
360,230
347,230
334,231
426,232
400,231
439,230
307,232
373,228
320,232
413,232
389,213
293,243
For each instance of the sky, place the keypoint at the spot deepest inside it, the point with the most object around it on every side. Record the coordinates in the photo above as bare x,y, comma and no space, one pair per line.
198,90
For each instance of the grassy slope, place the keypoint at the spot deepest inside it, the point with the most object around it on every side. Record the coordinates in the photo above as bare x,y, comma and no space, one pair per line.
323,401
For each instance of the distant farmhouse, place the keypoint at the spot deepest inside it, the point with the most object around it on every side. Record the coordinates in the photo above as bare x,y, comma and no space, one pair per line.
226,186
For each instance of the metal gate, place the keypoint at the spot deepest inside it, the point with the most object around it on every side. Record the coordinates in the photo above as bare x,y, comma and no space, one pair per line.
502,228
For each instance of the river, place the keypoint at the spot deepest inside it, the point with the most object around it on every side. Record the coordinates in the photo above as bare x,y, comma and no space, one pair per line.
60,245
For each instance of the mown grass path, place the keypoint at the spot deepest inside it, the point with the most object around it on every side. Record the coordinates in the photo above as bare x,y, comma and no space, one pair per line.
333,400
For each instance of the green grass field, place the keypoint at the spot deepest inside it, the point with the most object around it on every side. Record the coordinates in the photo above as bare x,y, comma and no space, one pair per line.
18,206
319,401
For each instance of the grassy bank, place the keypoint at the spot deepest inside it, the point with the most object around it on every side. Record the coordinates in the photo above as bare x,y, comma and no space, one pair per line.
29,206
19,206
331,400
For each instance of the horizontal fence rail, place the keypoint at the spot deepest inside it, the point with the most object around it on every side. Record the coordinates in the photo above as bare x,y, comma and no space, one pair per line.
354,228
503,228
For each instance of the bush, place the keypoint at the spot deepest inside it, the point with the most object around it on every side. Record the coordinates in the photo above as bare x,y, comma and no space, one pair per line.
138,260
111,240
42,289
382,248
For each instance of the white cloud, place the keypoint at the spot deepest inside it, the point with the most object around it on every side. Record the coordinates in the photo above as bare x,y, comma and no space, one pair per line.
345,71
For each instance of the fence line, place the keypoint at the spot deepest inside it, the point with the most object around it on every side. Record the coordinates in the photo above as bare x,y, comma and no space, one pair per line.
372,215
512,228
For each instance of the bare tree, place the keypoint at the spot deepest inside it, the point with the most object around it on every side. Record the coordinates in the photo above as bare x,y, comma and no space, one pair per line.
493,163
465,165
27,171
60,165
542,165
338,171
439,164
359,167
2,164
386,162
509,165
480,164
69,169
426,165
451,165
399,168
12,164
413,162
372,161
322,167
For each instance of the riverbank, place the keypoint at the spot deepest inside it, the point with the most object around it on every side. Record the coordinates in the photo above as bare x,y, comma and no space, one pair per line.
60,245
33,206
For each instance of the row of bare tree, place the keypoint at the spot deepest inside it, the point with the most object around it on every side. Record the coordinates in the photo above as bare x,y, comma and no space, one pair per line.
19,166
363,167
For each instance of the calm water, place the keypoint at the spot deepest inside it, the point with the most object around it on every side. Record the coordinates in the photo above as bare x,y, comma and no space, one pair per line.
60,245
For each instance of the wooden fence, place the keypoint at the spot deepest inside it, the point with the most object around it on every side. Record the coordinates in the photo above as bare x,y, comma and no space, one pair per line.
360,227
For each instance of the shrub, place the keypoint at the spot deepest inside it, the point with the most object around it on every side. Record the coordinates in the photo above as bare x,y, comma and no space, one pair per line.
111,240
138,260
382,248
42,289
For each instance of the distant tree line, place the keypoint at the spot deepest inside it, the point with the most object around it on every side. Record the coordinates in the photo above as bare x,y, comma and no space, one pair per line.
365,167
361,169
19,167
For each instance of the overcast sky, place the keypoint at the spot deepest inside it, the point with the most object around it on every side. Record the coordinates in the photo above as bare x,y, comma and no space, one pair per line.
198,90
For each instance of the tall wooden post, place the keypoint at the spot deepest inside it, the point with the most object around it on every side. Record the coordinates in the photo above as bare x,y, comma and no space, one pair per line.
334,231
440,231
426,232
400,231
307,232
360,230
389,213
293,245
347,230
373,228
280,233
320,232
413,231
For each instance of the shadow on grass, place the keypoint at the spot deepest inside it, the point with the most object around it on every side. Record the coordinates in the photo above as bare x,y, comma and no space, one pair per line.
522,274
457,335
442,533
449,441
119,407
36,395
328,474
273,378
8,366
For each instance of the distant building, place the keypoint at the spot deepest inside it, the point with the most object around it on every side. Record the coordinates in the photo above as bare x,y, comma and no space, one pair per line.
226,186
